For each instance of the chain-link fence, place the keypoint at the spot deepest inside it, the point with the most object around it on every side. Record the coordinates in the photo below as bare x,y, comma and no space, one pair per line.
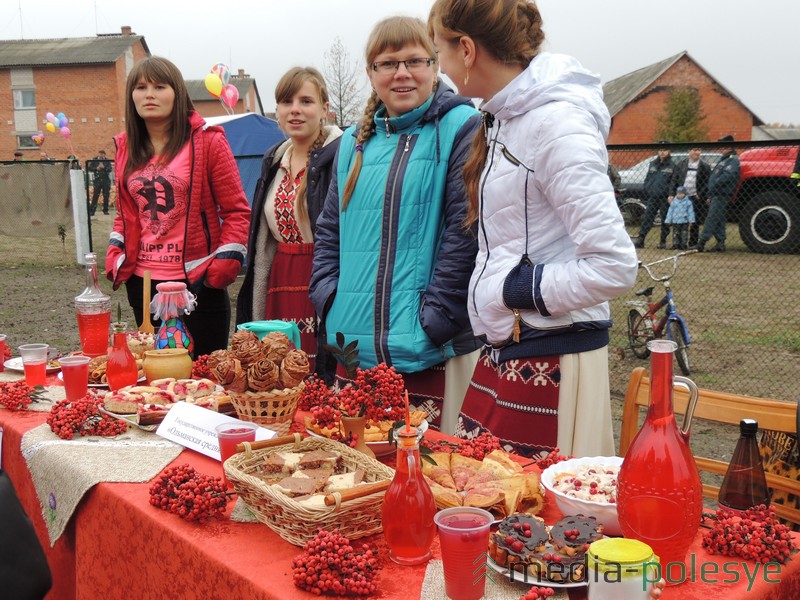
738,305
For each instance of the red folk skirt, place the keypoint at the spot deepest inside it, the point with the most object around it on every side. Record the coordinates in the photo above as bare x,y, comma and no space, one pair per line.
516,401
287,293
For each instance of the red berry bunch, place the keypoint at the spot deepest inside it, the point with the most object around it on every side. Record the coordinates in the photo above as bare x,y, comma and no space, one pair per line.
755,534
551,459
329,565
200,368
538,592
17,395
327,416
476,448
315,393
190,495
82,417
382,393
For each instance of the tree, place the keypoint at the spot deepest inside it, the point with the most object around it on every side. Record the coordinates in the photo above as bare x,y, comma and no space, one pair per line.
344,84
683,117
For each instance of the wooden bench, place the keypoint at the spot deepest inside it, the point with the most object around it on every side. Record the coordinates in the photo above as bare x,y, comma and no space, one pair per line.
722,408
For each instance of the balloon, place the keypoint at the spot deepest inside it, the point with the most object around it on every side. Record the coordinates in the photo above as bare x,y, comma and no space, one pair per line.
51,118
230,95
38,139
50,127
213,84
66,132
223,72
60,116
63,122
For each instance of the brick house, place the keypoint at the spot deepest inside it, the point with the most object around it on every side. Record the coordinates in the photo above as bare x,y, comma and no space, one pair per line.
208,106
635,101
84,78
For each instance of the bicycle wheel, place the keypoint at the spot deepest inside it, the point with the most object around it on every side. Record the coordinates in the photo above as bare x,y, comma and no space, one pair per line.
678,336
640,331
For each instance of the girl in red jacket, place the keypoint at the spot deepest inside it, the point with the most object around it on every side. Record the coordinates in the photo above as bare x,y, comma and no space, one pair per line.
181,211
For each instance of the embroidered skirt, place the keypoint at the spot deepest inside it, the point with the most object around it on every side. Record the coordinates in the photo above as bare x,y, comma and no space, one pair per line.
536,404
287,293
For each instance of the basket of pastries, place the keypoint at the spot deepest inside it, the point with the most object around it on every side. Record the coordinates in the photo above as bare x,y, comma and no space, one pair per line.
298,486
264,377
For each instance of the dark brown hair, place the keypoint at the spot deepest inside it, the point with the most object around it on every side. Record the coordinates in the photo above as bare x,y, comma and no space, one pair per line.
510,31
390,34
140,150
287,87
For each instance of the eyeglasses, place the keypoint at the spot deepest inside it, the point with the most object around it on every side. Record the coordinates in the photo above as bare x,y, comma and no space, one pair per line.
412,65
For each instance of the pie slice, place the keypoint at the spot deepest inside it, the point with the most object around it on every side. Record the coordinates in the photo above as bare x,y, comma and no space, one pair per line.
462,468
487,498
440,472
481,479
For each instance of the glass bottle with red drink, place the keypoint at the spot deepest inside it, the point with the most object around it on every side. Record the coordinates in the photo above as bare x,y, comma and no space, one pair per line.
94,312
409,505
121,369
659,494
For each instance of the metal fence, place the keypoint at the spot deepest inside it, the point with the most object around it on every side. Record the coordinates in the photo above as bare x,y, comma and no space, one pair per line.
738,305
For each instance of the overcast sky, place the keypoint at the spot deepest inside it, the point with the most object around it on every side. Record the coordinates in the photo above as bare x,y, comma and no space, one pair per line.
751,47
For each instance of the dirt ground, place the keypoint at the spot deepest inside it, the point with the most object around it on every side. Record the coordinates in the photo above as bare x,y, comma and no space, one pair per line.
39,278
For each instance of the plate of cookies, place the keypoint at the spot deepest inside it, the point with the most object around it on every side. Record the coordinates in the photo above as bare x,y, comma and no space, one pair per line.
525,550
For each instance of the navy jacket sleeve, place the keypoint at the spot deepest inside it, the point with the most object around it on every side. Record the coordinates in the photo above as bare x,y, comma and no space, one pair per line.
443,313
325,268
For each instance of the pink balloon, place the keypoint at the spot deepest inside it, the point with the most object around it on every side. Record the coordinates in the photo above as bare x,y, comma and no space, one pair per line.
230,95
65,132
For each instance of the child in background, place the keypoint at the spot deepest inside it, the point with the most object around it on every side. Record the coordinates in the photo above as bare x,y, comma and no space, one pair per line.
681,216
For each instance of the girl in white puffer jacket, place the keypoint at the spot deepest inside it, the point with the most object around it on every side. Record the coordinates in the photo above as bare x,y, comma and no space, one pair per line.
552,244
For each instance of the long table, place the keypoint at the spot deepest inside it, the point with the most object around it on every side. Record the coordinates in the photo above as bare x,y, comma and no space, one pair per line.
118,546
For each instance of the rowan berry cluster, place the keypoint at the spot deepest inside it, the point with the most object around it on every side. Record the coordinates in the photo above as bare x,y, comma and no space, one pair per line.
17,395
552,458
376,393
754,534
476,448
83,417
200,368
193,496
331,566
315,393
535,593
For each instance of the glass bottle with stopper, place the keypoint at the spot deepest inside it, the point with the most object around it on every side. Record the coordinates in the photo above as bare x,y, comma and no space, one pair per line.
121,370
93,308
745,484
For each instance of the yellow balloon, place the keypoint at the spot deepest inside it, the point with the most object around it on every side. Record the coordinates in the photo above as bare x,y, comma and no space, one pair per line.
50,127
213,84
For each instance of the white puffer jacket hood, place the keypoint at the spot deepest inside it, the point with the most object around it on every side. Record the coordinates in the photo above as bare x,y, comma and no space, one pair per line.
545,192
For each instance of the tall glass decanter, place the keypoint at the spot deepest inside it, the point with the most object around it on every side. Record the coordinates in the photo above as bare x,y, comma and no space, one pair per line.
121,369
94,312
409,506
659,496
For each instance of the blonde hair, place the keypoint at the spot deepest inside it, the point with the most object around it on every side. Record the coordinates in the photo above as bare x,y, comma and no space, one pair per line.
287,87
391,34
511,32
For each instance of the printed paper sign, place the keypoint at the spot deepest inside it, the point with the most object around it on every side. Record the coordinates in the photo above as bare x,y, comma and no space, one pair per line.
193,427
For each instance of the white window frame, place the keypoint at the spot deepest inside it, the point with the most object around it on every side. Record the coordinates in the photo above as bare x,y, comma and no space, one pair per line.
20,96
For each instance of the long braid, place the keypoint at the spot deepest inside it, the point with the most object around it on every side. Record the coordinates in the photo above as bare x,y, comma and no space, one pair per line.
365,130
301,213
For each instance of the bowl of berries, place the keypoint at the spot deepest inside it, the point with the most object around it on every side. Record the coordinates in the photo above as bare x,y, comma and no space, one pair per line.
586,486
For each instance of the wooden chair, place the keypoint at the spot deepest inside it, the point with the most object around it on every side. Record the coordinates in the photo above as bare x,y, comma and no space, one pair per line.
723,408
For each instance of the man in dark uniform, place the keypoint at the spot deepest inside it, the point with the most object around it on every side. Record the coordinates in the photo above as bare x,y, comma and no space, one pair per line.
721,186
101,167
693,173
657,186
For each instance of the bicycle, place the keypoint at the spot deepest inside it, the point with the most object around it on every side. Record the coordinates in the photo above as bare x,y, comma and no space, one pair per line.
644,324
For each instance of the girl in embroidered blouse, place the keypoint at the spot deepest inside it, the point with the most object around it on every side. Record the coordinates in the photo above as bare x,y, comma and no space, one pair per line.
289,195
181,211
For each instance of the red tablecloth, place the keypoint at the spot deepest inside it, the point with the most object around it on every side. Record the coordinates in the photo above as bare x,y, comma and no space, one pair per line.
118,546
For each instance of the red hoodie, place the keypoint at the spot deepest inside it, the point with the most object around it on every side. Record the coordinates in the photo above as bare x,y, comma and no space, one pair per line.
217,217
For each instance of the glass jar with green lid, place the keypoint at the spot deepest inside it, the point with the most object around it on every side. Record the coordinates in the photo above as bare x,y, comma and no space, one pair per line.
621,569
